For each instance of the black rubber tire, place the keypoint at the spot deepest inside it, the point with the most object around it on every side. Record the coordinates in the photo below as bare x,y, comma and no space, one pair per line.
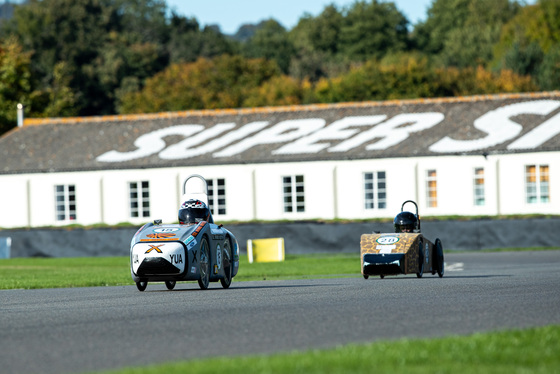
366,276
170,284
420,258
227,264
141,285
204,262
440,263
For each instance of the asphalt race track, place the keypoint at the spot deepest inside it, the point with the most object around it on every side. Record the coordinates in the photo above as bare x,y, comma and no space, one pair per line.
86,329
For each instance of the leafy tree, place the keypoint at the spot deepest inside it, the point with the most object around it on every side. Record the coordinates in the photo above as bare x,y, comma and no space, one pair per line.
18,85
316,40
541,23
319,34
188,42
58,99
223,82
443,17
372,30
101,42
15,82
523,59
408,76
463,32
327,45
400,76
548,73
245,32
529,43
279,90
503,81
270,41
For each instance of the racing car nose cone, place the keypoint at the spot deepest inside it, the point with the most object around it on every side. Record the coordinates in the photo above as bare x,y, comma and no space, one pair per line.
387,264
156,266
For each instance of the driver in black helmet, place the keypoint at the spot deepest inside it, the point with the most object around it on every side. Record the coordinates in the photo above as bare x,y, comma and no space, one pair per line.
406,222
193,211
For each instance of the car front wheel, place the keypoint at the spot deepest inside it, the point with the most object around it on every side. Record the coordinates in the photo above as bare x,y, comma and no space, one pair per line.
170,284
141,285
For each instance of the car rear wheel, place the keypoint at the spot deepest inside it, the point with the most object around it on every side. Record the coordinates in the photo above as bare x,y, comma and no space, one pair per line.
141,285
170,284
204,261
439,258
227,264
420,259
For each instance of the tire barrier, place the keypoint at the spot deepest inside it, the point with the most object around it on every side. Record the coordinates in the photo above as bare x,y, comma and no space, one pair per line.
299,237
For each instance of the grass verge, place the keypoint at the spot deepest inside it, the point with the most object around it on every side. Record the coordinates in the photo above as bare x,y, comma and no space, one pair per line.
520,351
32,273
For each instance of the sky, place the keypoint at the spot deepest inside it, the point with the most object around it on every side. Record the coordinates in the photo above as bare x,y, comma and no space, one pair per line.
230,15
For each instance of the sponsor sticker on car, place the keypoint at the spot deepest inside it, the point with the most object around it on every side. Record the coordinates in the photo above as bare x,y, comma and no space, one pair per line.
191,244
166,229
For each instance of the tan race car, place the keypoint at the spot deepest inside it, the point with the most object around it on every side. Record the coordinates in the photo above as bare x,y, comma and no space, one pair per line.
405,251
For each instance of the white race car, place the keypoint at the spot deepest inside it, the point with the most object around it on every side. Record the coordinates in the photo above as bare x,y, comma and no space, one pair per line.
196,249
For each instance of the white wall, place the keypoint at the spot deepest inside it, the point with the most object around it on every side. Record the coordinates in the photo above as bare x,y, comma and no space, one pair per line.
13,201
318,190
455,185
333,189
239,189
42,202
512,183
400,178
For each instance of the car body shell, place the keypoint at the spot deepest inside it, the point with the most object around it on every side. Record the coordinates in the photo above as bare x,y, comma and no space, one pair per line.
384,254
397,253
202,251
172,252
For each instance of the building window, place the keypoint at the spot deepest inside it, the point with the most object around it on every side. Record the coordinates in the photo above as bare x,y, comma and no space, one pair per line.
431,188
217,195
478,185
139,193
65,200
375,190
537,184
294,199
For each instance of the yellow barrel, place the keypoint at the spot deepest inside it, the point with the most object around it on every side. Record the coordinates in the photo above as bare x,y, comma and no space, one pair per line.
265,250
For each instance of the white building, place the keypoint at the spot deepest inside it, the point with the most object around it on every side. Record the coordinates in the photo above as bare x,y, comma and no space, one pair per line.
472,156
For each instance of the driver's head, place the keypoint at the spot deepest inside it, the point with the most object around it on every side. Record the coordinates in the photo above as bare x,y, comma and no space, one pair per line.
405,222
193,211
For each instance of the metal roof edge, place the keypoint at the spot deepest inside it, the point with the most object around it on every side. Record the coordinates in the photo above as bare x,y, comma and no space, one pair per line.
280,109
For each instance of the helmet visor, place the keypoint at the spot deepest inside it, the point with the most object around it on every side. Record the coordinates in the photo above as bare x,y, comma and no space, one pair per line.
193,215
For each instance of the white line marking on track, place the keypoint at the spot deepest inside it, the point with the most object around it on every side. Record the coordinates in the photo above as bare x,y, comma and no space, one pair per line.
457,266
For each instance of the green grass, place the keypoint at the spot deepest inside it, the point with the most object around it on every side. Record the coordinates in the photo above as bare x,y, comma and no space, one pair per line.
519,351
29,273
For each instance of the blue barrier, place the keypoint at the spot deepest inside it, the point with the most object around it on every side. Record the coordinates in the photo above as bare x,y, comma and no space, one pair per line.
5,247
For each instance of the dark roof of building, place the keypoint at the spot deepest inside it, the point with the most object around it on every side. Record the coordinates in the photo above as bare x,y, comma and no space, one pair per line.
406,128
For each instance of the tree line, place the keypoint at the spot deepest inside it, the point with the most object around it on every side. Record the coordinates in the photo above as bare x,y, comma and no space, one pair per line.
97,57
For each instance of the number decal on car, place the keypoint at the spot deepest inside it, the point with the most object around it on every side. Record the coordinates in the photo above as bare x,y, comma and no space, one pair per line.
387,240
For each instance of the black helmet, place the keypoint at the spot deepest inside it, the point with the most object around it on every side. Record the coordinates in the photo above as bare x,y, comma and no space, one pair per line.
406,222
193,211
